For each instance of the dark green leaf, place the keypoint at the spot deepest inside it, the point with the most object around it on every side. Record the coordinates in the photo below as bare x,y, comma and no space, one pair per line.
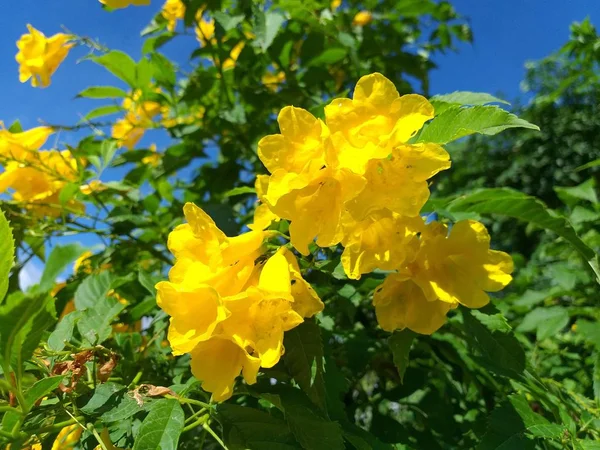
105,398
546,322
41,388
227,21
304,360
267,26
161,427
329,56
63,331
400,343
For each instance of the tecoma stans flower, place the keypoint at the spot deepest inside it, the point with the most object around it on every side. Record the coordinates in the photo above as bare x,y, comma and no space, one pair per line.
362,18
138,117
118,4
18,146
400,303
172,11
39,56
459,267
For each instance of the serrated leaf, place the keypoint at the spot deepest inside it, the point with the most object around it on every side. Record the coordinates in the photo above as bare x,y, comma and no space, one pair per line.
227,21
546,322
456,123
59,259
498,351
105,397
511,203
249,428
455,99
63,331
266,28
147,281
7,254
162,426
163,70
584,191
41,388
23,321
400,343
102,92
102,111
513,423
304,360
119,64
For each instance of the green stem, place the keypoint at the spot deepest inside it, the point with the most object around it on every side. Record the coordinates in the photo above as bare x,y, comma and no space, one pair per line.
54,427
97,436
189,400
10,409
214,435
136,379
201,421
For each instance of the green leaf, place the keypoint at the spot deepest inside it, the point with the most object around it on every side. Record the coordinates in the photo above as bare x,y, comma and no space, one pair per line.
444,102
498,351
59,259
41,388
105,398
515,204
102,92
163,70
589,165
240,191
512,424
63,331
266,28
119,64
161,427
147,281
311,427
585,444
400,343
249,428
546,322
121,407
590,331
227,21
68,192
102,111
584,191
596,377
304,360
98,310
7,254
456,123
23,321
155,42
329,56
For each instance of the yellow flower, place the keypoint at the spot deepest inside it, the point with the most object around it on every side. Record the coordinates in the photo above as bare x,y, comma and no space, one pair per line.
459,267
234,55
335,4
172,11
18,146
39,182
383,240
127,132
400,303
67,438
92,186
195,312
218,361
39,57
153,159
362,18
205,30
272,81
138,117
229,307
263,217
117,4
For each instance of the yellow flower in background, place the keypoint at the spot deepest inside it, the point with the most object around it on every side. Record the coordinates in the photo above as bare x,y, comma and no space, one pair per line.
67,438
138,117
118,4
335,4
18,146
39,56
39,182
459,267
272,81
400,303
362,18
172,11
154,158
229,306
384,240
92,186
229,63
205,30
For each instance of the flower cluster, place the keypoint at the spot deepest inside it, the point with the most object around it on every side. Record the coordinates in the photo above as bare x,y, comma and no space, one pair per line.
229,302
357,179
39,56
138,117
36,177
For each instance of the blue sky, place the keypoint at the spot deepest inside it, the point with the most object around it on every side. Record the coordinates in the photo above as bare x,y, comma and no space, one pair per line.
507,34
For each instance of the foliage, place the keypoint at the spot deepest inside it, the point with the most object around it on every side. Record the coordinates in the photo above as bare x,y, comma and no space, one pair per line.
87,354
